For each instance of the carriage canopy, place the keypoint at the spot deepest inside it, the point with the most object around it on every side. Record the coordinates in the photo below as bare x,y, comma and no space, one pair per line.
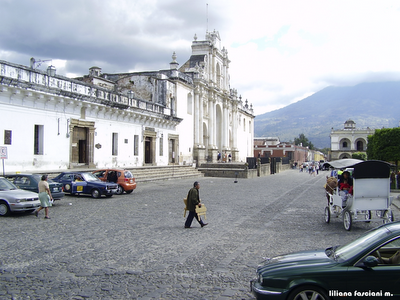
363,169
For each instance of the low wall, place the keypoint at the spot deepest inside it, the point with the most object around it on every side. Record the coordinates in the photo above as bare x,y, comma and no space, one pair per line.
265,170
229,170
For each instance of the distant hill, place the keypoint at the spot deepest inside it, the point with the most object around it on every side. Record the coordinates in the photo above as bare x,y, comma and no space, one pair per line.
374,105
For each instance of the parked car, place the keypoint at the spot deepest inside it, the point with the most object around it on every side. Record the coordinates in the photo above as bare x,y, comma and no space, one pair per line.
30,182
12,199
85,183
124,178
368,266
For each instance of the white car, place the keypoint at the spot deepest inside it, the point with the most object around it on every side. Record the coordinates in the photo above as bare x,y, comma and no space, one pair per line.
12,199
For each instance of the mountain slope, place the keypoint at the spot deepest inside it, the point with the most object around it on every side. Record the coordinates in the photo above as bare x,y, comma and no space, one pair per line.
373,105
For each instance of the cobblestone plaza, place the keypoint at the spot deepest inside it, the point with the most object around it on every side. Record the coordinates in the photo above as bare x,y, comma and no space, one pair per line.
135,246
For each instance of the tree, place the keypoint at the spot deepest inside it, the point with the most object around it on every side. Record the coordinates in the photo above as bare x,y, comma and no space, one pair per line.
359,155
384,145
325,150
303,141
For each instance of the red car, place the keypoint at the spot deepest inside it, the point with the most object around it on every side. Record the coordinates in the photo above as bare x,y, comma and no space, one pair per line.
124,178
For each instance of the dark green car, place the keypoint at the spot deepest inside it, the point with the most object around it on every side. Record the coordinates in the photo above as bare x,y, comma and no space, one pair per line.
368,267
29,182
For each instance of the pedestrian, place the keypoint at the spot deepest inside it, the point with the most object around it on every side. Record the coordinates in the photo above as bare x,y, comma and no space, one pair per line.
44,197
392,180
193,199
398,179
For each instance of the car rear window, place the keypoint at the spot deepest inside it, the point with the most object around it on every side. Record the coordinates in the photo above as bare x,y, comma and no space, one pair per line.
128,174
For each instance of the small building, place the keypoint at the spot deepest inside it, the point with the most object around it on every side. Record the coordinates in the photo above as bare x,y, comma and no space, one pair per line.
271,147
346,141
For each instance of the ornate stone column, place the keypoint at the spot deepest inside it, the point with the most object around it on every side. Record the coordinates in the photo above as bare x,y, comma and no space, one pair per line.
225,142
235,150
196,116
198,148
211,123
201,107
212,149
214,116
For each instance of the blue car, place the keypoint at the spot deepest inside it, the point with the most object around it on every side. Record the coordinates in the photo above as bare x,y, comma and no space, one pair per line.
85,183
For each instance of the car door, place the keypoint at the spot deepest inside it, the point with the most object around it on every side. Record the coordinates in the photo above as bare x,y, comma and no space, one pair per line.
79,185
379,281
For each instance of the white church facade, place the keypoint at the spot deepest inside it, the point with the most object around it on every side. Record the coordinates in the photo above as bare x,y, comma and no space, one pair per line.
183,115
349,140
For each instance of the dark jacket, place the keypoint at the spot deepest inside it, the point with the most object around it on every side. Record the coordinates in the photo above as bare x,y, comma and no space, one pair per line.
193,199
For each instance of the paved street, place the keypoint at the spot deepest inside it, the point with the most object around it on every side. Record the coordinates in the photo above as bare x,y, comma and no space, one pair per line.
135,247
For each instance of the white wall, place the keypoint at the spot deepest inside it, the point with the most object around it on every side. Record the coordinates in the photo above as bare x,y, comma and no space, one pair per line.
21,121
185,128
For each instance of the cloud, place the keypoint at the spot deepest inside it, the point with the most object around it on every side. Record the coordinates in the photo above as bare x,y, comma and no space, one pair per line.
280,51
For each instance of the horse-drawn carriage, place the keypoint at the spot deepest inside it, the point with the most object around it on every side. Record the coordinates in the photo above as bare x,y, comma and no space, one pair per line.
369,198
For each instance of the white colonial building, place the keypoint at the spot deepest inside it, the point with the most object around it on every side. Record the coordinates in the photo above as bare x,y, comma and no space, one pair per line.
346,141
177,116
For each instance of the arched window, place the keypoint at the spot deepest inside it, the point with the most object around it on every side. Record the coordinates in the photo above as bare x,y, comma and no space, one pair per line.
360,146
218,70
344,145
189,104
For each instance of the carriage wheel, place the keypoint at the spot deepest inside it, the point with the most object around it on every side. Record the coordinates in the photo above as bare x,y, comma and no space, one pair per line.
327,214
388,217
347,220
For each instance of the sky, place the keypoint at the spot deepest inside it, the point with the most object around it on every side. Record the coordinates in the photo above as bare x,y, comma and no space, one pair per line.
281,51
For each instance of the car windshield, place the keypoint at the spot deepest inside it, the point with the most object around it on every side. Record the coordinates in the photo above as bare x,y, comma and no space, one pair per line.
6,185
345,252
89,177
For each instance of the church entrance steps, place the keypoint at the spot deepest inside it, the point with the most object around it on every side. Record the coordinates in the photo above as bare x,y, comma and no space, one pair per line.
152,173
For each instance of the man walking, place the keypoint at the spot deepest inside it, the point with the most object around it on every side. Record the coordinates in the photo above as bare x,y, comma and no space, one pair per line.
193,199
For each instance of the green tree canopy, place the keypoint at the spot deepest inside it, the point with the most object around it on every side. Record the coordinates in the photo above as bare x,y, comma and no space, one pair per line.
325,150
359,155
303,141
385,145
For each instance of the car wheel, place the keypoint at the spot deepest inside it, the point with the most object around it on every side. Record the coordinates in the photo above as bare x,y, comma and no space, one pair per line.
129,192
4,208
388,217
327,214
308,292
96,193
347,221
120,190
